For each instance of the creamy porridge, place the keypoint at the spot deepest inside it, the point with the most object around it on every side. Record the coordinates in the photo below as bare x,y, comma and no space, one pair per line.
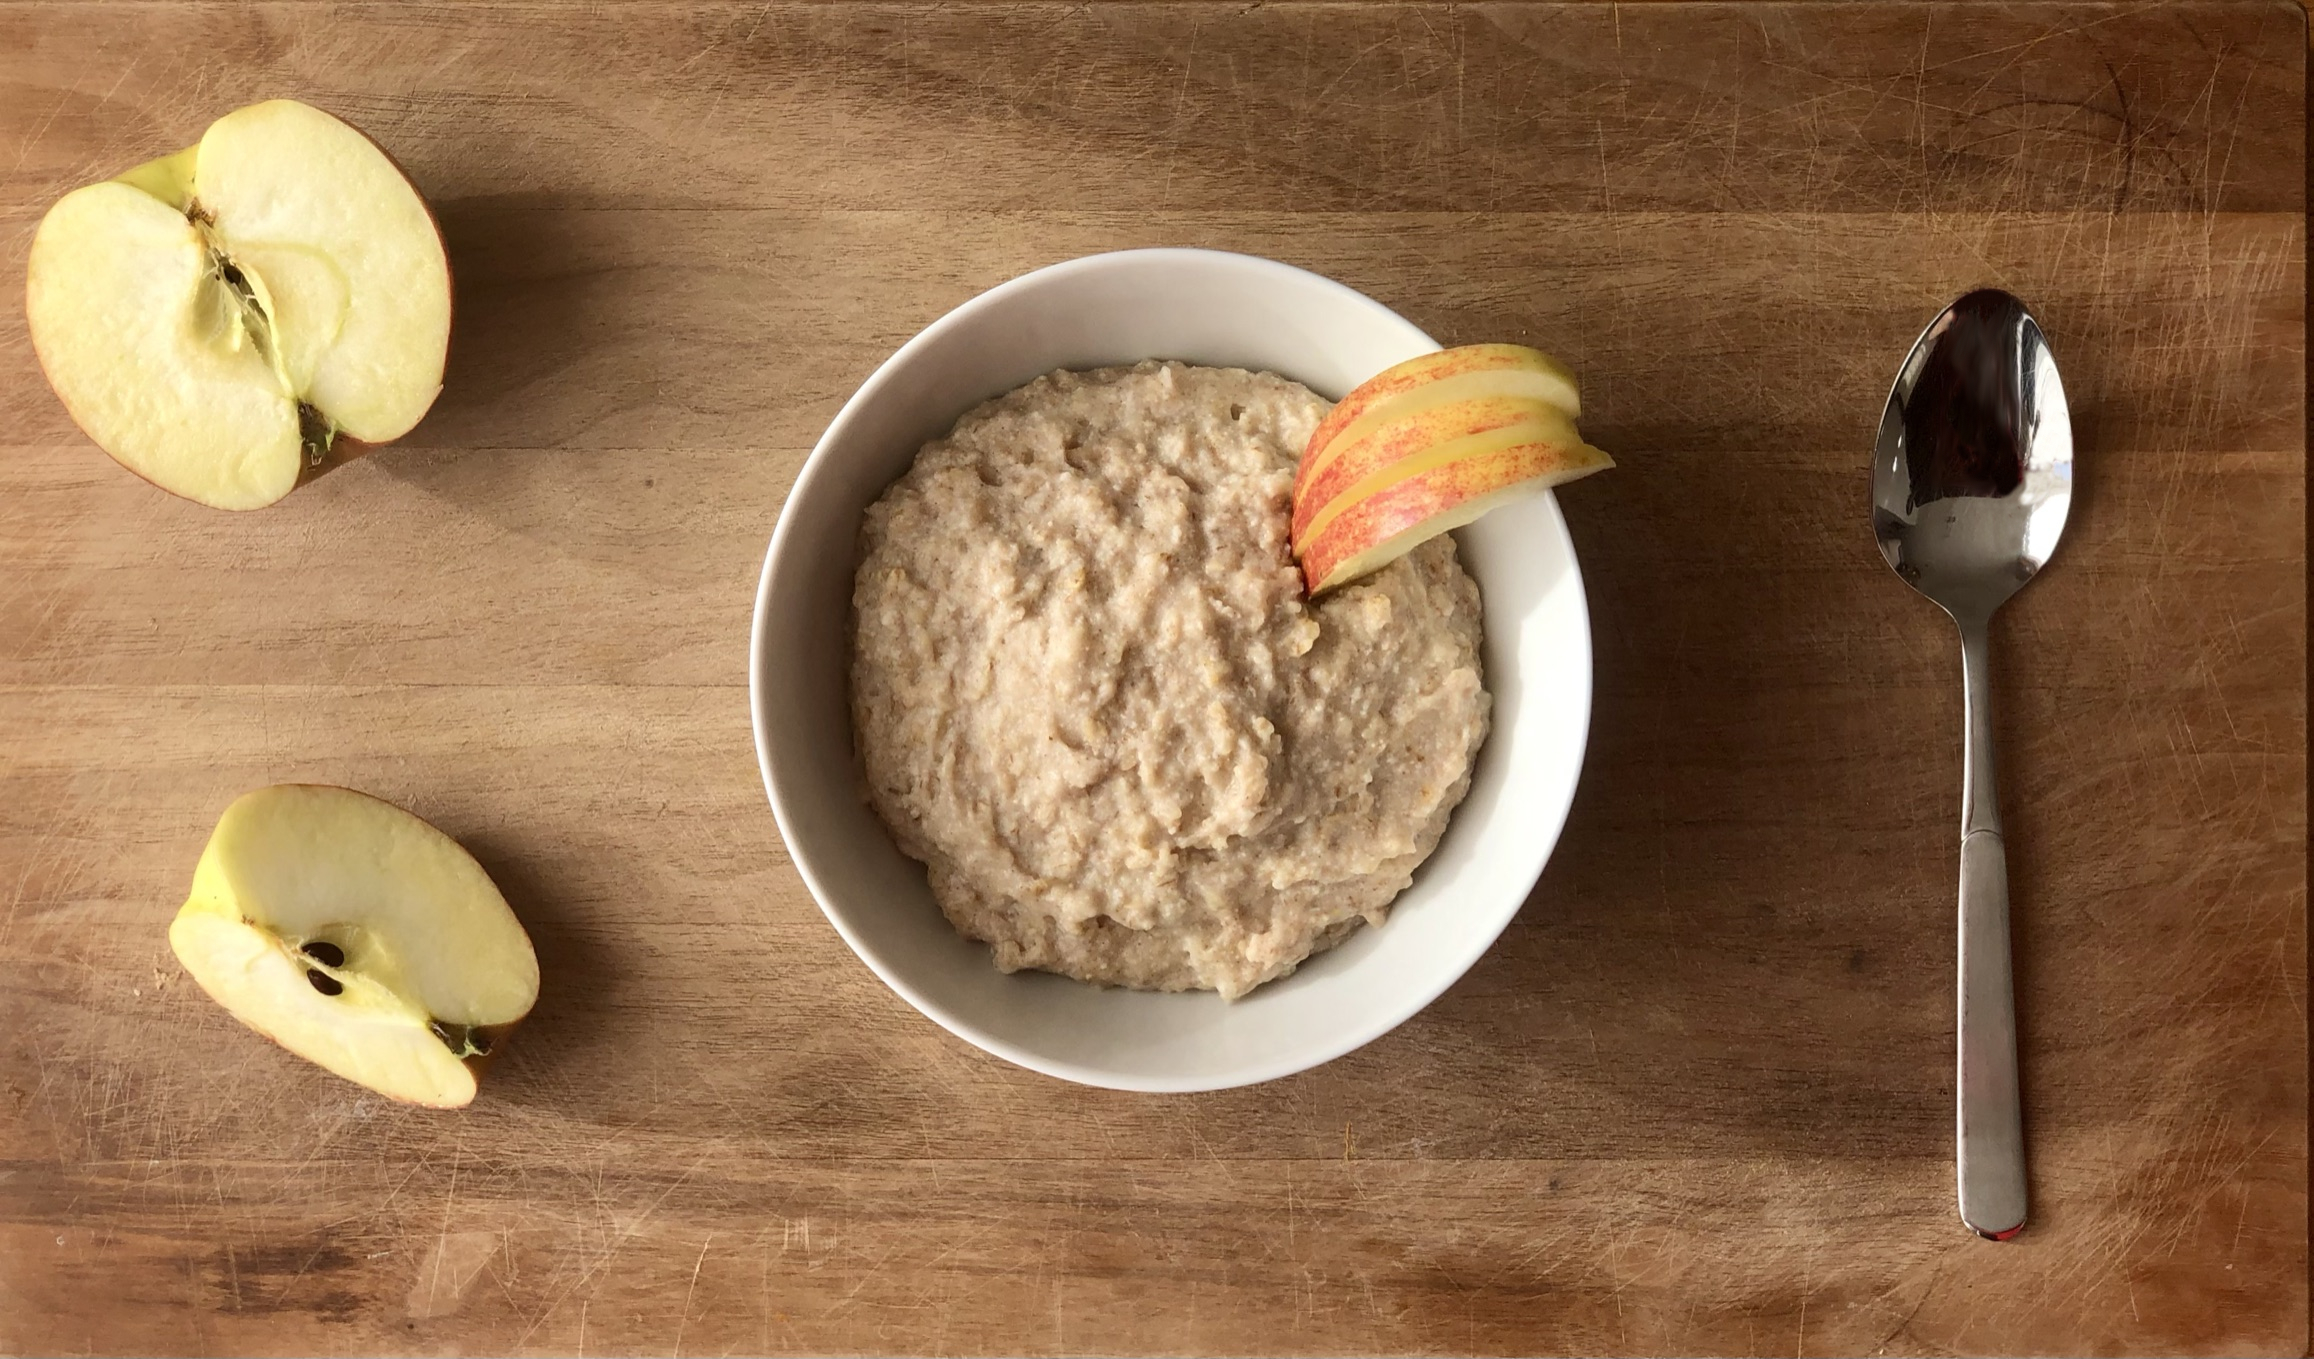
1092,698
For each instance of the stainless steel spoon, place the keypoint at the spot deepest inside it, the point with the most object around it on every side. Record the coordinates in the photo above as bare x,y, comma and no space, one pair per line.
1971,480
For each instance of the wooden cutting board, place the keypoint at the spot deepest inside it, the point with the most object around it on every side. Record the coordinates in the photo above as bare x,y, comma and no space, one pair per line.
1698,1097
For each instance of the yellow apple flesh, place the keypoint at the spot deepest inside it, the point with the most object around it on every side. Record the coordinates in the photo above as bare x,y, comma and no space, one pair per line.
217,319
359,937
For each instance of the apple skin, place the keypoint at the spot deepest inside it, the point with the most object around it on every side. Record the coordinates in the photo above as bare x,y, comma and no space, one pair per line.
1462,373
1392,521
1363,462
170,179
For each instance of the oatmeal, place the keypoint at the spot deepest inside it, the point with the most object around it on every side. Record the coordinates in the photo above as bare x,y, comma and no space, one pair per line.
1092,698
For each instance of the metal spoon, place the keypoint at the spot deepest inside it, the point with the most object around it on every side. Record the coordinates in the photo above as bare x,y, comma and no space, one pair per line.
1971,479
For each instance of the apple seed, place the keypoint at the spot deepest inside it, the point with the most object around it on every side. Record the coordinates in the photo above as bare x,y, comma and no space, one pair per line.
324,983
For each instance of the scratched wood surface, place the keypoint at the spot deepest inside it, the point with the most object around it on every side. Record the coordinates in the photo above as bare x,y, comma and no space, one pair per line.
1696,1100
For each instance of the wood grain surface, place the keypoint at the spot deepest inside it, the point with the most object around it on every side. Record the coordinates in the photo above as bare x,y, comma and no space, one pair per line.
1698,1098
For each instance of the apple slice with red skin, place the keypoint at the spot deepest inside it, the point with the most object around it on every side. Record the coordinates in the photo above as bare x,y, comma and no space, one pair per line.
1428,446
1386,524
1435,379
1388,450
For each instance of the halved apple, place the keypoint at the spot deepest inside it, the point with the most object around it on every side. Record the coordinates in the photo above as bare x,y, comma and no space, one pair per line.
247,313
359,937
1428,446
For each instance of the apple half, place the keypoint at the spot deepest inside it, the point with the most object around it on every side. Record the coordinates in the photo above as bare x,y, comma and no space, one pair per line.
1428,446
247,313
360,938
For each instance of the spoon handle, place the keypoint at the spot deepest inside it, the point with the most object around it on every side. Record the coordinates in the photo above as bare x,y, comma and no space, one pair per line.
1990,1130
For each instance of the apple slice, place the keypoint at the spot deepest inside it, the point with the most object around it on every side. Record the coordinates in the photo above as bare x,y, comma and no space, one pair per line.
1364,463
1435,379
1378,529
247,313
358,937
1428,446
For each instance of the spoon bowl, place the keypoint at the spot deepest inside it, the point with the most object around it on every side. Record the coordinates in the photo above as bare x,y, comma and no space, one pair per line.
1972,477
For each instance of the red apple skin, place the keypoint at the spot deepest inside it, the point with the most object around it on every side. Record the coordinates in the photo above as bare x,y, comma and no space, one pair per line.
1397,440
1420,371
1446,497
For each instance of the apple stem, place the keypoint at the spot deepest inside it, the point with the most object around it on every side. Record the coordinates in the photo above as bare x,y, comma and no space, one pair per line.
465,1040
316,433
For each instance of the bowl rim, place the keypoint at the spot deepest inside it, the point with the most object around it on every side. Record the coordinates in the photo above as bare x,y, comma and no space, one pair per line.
816,465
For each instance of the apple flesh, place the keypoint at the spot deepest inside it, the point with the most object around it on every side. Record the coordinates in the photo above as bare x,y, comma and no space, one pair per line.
359,937
240,316
1428,446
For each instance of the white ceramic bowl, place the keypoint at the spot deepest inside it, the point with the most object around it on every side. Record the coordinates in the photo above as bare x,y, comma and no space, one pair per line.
1205,307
